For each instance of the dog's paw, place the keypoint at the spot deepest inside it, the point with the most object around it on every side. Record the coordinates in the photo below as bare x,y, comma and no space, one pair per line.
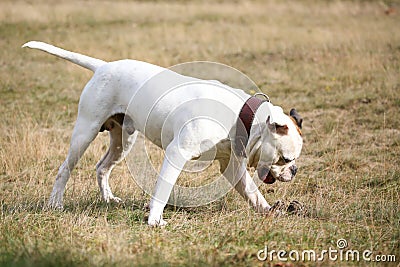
114,200
54,205
110,198
156,223
55,202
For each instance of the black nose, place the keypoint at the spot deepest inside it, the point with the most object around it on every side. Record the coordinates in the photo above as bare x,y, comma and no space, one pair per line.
293,170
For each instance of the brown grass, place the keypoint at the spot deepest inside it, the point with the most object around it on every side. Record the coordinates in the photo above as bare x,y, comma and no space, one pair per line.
337,62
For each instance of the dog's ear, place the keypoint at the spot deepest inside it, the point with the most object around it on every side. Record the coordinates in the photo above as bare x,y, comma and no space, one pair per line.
297,118
276,128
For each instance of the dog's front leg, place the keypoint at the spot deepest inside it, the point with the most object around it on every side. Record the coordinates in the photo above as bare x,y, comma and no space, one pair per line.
237,173
249,190
172,166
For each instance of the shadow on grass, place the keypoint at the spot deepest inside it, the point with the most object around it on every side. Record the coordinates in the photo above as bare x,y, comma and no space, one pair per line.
65,258
58,258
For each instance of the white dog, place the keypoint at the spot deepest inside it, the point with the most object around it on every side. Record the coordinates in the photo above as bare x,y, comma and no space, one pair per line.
185,116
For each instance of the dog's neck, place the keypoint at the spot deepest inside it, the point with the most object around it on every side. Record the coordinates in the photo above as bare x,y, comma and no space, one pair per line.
258,130
251,126
244,124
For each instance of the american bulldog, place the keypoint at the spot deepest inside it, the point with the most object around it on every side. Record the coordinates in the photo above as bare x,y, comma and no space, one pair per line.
185,116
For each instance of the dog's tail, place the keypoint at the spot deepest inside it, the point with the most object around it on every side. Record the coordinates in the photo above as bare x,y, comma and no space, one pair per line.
81,60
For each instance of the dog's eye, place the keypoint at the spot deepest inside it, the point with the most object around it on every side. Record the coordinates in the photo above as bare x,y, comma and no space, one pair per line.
286,160
283,160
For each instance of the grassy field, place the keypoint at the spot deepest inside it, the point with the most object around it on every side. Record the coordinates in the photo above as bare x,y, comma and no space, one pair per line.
337,62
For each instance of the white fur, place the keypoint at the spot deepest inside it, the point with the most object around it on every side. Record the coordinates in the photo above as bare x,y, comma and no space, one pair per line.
177,113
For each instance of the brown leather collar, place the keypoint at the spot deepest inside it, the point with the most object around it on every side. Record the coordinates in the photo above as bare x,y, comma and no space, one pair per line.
244,122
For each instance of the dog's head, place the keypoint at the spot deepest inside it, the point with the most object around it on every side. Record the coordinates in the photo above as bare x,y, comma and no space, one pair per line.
281,144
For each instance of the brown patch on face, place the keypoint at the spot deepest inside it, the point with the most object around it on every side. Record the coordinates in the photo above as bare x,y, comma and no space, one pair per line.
295,124
282,129
279,129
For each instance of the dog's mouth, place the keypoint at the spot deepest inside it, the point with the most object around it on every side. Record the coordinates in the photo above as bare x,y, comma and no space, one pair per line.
265,175
286,175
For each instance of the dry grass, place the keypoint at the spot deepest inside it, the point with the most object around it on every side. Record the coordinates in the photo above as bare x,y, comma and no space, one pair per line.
337,62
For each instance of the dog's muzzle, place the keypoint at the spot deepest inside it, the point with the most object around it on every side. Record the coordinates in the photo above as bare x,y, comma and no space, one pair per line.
266,176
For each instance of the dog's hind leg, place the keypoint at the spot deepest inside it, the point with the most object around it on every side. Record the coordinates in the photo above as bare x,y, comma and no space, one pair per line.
120,145
83,134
